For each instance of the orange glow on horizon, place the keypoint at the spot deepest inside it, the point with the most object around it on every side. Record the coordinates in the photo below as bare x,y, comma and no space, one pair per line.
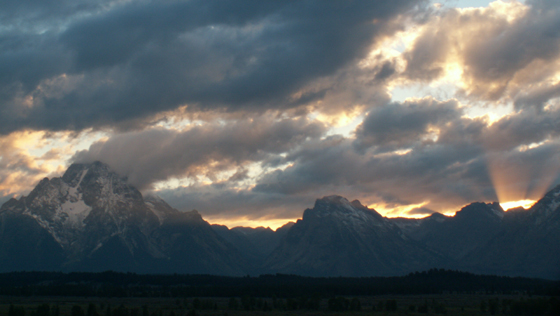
526,204
398,211
273,224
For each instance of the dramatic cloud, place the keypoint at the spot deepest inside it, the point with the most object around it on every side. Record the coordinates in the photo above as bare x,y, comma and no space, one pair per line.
459,160
420,211
396,126
250,110
131,60
160,154
20,170
503,51
224,204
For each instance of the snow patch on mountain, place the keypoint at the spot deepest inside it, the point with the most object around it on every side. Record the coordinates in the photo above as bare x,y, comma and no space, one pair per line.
154,209
73,193
75,212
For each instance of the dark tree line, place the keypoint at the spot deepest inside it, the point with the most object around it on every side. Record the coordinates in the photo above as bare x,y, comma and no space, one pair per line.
113,284
493,306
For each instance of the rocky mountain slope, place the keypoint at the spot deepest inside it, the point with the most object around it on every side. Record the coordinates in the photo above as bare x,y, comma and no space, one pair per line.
527,244
91,219
459,235
337,237
254,243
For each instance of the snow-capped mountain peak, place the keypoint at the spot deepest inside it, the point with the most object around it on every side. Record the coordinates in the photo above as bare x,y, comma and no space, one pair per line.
85,195
91,219
339,207
348,215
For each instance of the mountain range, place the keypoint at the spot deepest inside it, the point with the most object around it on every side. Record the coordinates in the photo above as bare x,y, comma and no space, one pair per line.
91,219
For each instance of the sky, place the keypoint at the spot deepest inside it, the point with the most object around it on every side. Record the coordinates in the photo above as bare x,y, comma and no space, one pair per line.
248,111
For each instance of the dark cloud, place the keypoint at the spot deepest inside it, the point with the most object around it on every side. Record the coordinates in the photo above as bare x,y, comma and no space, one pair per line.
384,72
444,176
226,202
247,74
458,167
526,127
160,154
420,211
133,60
426,60
540,5
497,59
450,160
435,172
538,97
36,16
398,125
419,122
525,173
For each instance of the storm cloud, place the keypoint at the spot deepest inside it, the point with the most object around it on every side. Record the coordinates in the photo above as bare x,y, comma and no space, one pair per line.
465,160
160,154
396,126
134,59
253,109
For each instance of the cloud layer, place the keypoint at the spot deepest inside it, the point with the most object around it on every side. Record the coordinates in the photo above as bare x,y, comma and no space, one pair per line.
252,109
101,65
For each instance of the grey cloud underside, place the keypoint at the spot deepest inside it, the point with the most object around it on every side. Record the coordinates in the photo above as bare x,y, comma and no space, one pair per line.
48,13
225,202
396,125
452,168
159,154
449,170
139,58
84,64
420,211
435,168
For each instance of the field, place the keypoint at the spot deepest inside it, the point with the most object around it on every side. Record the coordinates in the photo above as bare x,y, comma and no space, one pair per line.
442,304
433,292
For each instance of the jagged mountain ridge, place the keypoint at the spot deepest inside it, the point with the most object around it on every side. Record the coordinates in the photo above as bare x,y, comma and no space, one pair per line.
482,238
254,243
91,219
457,236
527,243
479,238
338,237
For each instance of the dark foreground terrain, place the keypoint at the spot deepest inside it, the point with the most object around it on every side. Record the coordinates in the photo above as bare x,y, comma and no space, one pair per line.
436,304
434,292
